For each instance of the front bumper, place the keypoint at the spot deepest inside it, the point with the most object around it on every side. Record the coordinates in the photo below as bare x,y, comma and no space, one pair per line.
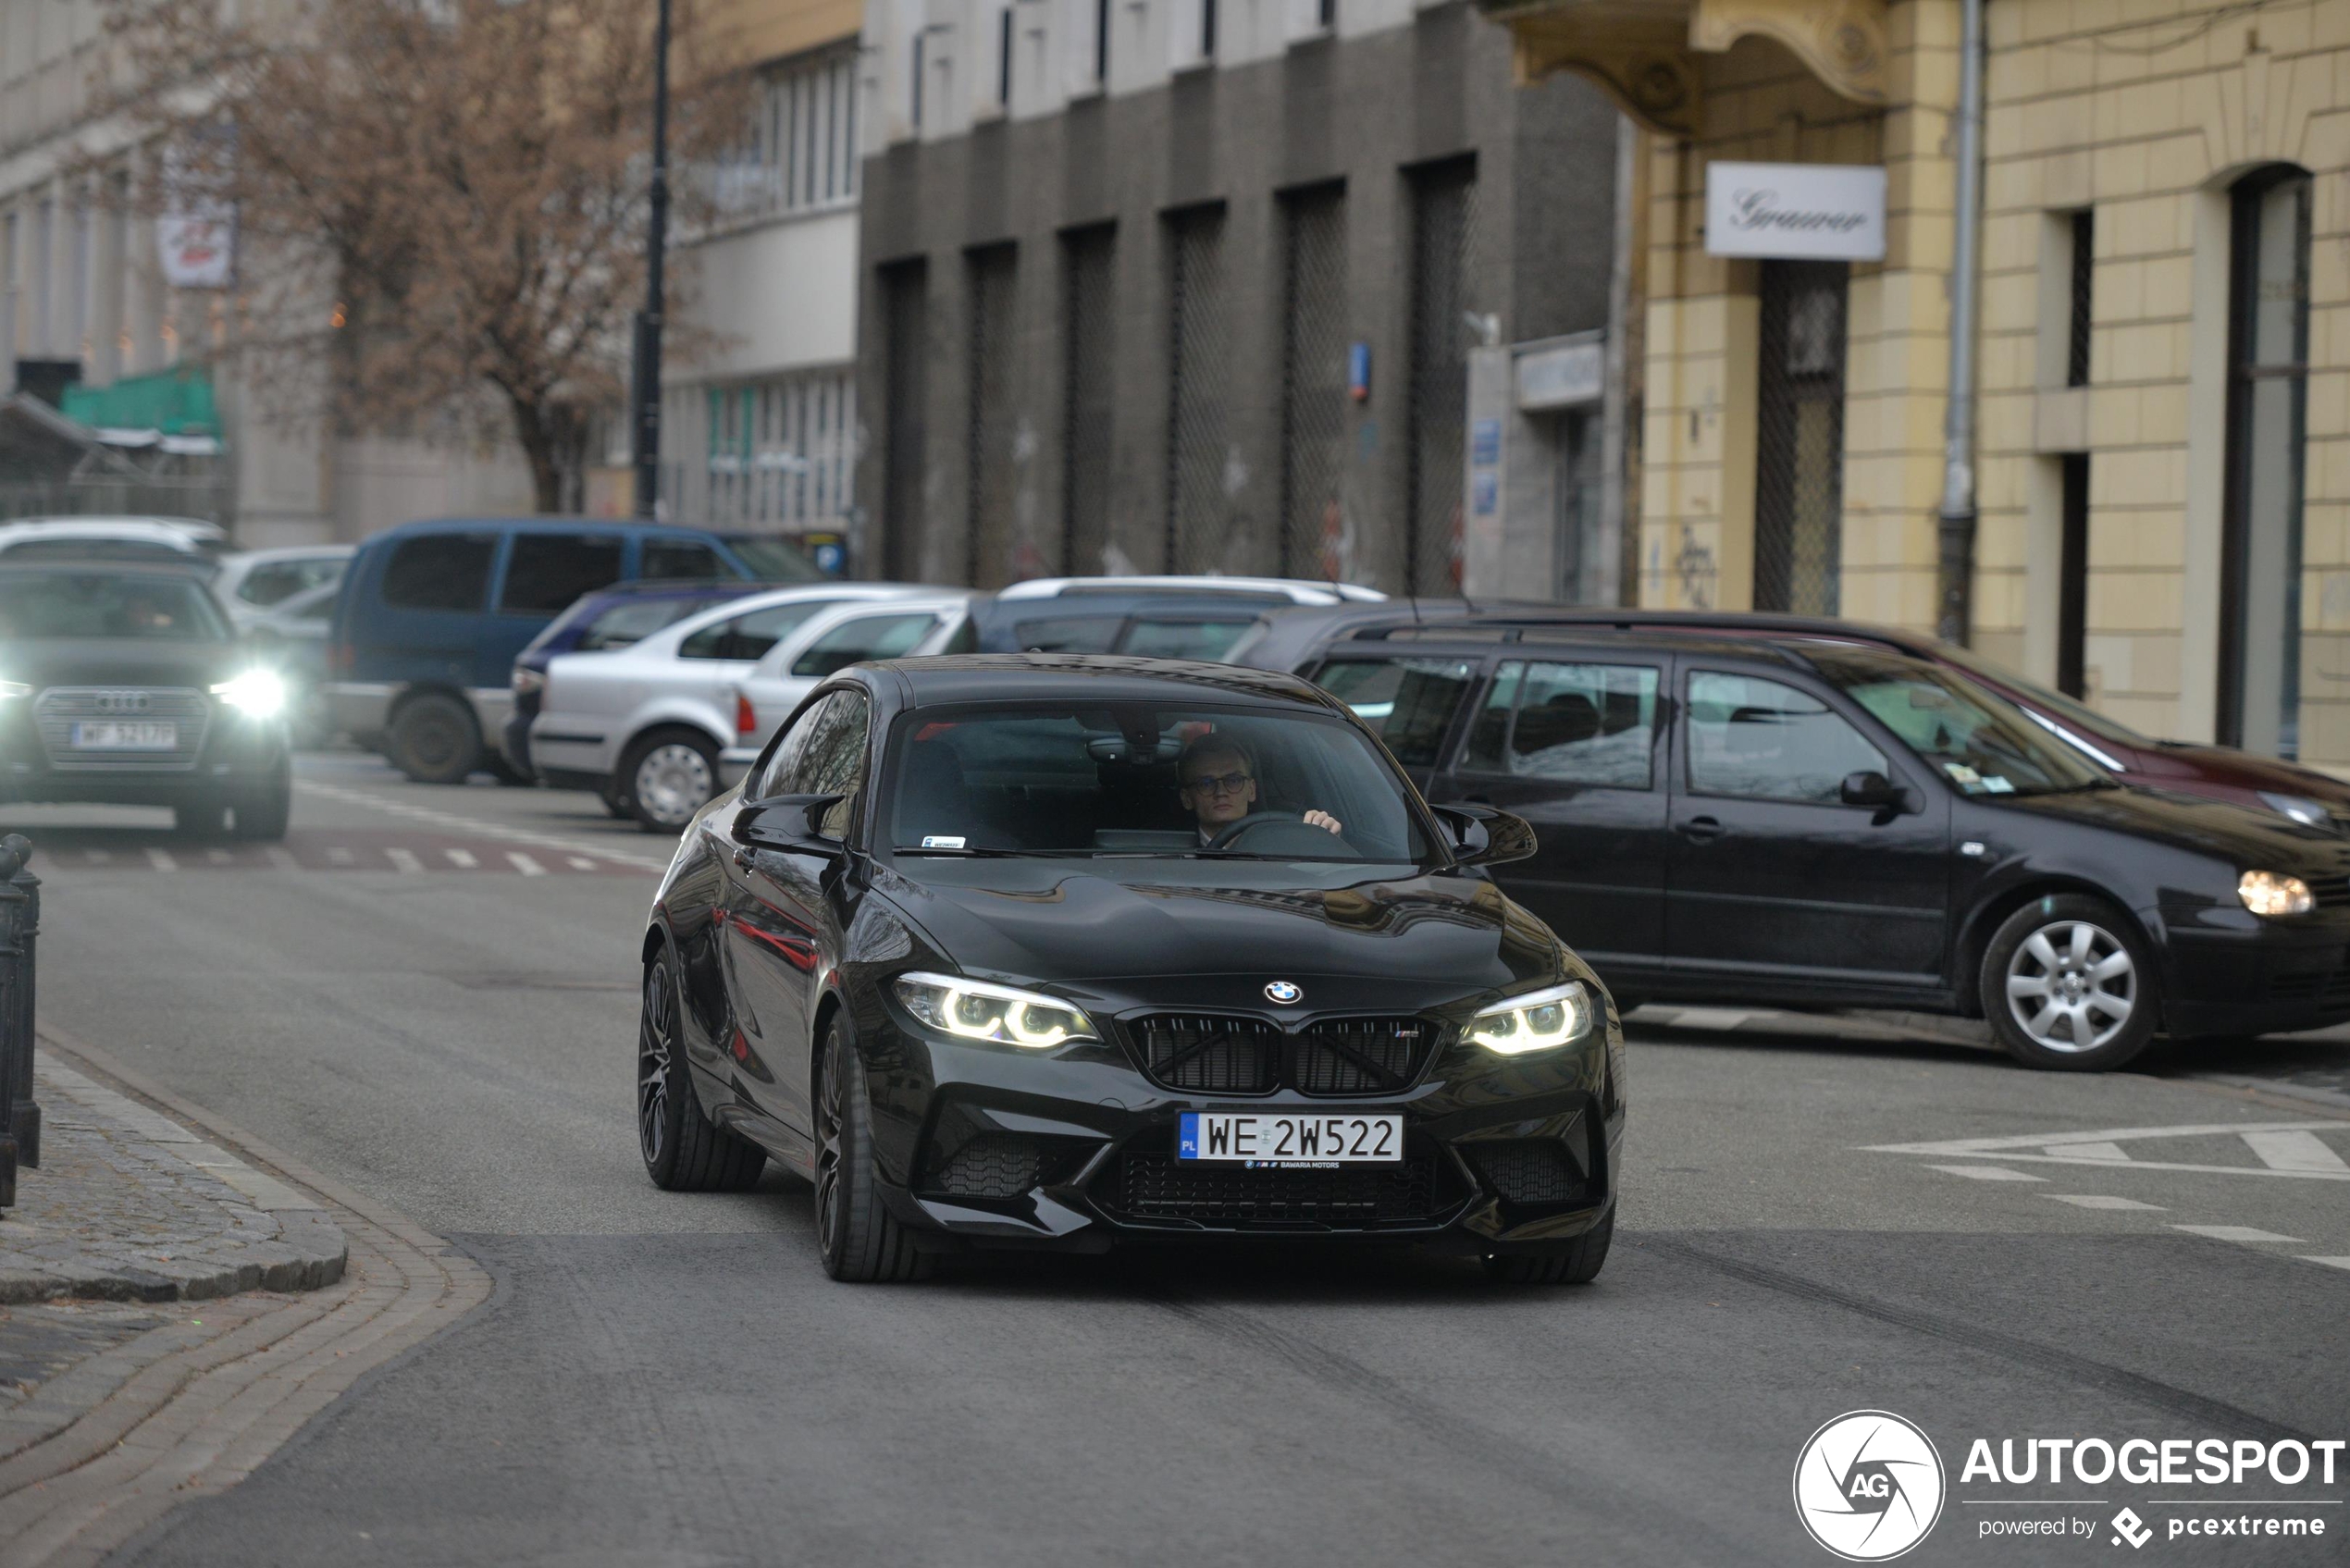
229,758
1075,1150
2233,973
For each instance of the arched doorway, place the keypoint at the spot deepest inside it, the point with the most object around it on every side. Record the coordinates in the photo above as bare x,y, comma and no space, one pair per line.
2268,400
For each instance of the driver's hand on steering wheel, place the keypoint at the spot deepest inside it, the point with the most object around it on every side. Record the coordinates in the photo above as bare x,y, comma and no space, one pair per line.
1324,820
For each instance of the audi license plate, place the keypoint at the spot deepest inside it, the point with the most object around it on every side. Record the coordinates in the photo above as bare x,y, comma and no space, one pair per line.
1276,1141
126,735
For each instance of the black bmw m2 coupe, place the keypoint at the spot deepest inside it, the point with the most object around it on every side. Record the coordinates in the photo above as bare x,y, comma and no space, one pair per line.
1050,951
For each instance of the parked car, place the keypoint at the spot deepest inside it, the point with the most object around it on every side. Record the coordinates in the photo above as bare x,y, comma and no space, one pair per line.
644,726
1154,617
938,624
958,954
254,581
172,541
1797,821
618,616
124,684
1292,639
432,614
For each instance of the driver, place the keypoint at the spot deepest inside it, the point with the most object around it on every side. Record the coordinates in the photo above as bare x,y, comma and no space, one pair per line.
1220,786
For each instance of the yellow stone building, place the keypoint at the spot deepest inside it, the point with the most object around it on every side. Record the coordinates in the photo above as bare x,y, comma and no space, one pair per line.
2162,447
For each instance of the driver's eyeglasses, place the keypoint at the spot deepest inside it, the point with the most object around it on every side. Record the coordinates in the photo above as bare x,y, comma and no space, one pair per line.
1218,784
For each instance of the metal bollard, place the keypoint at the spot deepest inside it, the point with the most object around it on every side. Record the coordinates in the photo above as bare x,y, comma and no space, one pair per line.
26,1119
16,1036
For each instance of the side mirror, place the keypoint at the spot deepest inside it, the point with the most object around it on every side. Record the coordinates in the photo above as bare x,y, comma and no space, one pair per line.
1869,787
1483,836
787,822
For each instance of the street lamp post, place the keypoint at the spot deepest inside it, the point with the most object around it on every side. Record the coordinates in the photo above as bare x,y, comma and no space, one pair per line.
646,378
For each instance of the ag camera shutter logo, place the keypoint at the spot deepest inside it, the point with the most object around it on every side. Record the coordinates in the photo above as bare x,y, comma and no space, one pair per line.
1869,1486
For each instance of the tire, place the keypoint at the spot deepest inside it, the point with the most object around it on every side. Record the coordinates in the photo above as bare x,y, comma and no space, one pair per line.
619,809
435,740
863,1243
1578,1264
205,820
262,817
684,1150
666,776
2068,984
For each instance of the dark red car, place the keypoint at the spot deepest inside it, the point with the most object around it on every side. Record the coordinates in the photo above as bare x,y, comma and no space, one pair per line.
1296,640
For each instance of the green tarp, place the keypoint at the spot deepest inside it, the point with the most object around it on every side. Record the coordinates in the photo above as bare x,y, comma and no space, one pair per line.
178,402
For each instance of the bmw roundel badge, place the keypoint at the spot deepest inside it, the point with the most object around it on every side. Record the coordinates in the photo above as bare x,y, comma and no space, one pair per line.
1282,991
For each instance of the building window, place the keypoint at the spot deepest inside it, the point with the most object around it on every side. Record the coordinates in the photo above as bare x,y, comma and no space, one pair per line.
2267,396
1798,489
778,451
1443,208
1101,41
1326,12
1313,539
992,554
1198,520
905,309
2072,580
1003,57
801,153
1207,29
915,113
2076,349
1089,326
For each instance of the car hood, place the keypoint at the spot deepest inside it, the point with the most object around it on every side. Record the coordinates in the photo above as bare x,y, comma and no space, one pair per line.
2247,838
1224,929
2246,769
123,662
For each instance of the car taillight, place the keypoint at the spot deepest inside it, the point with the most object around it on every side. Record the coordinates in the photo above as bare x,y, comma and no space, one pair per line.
528,681
745,721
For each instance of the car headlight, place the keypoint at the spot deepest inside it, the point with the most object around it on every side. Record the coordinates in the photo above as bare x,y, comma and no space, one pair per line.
2300,807
977,1010
1538,1021
14,689
2274,894
260,693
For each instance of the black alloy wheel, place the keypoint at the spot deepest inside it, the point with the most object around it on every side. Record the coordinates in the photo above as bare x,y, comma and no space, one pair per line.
435,740
863,1243
1578,1264
684,1150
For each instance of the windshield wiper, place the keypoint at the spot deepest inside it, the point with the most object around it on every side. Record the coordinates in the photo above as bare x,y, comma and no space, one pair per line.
984,854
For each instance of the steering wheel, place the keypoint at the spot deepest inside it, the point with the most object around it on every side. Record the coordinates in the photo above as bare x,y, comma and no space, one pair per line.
1254,820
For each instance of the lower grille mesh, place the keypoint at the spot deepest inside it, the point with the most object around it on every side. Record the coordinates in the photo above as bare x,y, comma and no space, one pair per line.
993,1165
1530,1170
1155,1186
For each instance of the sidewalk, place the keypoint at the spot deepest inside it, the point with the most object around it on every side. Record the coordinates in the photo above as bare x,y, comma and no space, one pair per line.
129,1205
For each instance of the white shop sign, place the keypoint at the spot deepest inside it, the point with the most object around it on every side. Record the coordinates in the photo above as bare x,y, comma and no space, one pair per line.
1562,376
1797,212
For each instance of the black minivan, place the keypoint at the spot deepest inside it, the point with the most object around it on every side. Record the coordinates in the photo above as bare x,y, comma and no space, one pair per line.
1808,823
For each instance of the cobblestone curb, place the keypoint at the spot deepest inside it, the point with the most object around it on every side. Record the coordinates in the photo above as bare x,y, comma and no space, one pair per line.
129,1206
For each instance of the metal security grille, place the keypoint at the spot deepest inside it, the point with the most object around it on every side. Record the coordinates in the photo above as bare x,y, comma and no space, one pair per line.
1799,491
1198,517
1089,346
906,327
992,552
776,452
2085,267
1314,541
2072,580
1443,235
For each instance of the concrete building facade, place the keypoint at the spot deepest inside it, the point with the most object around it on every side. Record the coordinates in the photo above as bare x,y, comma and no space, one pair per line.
2162,454
1200,285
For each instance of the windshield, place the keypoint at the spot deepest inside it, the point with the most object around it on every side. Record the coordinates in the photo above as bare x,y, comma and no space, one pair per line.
1981,743
773,561
1144,780
56,605
625,624
2078,714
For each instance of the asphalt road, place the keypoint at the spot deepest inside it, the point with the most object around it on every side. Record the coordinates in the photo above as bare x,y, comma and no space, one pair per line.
429,993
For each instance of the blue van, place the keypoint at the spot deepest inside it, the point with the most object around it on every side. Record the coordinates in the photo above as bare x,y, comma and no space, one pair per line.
432,614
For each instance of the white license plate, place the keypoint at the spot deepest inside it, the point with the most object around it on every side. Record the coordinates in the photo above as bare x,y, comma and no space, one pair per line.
120,734
1277,1140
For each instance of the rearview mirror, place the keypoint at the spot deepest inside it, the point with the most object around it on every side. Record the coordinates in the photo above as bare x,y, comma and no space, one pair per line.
1869,787
786,822
1483,836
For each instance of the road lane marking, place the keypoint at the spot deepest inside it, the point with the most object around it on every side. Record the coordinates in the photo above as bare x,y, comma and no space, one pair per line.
100,856
161,861
1709,1017
2293,1150
218,856
403,860
2103,1149
338,856
2100,1201
477,827
1986,1172
281,856
2329,1263
2233,1233
2107,1153
580,863
525,864
462,859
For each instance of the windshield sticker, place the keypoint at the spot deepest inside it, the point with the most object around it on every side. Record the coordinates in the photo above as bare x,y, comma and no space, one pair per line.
1998,785
1966,777
942,841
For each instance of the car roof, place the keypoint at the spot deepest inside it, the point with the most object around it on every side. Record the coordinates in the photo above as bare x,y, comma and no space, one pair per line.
1091,677
192,527
530,526
194,568
1296,590
143,530
1370,623
854,594
285,552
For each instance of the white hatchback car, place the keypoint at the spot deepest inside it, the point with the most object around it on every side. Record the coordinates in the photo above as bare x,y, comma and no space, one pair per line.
644,725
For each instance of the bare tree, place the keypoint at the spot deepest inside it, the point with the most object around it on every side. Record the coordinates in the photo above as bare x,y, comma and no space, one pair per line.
441,204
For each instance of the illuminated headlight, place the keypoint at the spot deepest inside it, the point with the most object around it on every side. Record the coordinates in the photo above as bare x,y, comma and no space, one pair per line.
2273,893
976,1010
1535,1022
260,693
14,689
